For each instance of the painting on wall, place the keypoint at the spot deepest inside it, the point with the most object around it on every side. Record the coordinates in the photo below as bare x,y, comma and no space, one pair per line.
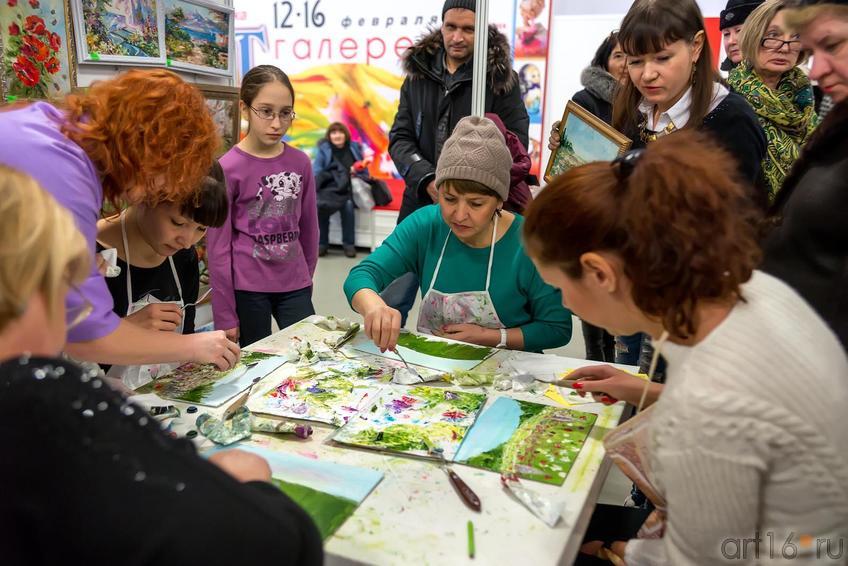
537,442
205,384
37,54
128,32
199,36
329,391
328,492
223,105
429,351
414,421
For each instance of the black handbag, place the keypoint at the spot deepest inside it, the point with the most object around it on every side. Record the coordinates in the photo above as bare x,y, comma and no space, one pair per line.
380,191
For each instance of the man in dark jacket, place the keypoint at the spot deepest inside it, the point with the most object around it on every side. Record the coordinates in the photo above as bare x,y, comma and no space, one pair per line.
437,94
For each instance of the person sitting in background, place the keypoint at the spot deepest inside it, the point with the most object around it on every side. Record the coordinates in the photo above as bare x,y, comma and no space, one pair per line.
730,447
809,246
519,191
159,281
778,90
477,283
731,22
88,461
339,159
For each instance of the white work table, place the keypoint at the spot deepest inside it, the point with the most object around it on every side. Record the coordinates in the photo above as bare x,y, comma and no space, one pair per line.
414,516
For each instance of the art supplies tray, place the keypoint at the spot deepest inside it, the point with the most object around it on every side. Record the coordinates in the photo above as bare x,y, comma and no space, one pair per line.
205,384
413,421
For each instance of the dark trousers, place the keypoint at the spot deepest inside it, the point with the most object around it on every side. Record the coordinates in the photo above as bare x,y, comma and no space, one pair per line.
256,309
610,523
348,215
600,344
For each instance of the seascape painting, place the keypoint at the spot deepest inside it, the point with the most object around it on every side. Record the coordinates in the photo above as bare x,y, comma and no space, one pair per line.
199,36
120,31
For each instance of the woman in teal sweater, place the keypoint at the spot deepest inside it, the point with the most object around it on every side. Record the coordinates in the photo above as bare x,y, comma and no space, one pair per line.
477,283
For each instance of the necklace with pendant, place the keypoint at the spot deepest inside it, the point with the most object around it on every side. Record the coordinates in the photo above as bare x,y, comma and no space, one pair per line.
649,136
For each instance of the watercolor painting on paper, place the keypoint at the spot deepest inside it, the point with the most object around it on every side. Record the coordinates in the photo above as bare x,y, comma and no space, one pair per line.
328,492
414,420
205,384
330,391
535,441
430,351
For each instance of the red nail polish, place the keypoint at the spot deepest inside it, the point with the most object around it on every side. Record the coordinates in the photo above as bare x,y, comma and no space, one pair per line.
577,385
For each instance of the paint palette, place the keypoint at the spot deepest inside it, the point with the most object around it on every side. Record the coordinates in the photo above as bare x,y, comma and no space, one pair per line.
413,421
330,391
535,441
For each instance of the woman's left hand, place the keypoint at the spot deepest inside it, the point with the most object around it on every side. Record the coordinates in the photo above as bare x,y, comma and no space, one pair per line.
471,333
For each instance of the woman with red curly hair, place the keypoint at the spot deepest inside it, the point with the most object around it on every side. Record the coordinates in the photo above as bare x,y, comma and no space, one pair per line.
144,137
662,241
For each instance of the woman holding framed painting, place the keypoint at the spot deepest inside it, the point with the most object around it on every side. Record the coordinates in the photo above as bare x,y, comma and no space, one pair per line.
142,137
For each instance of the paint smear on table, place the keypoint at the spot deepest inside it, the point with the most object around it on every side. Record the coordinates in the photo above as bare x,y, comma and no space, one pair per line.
538,442
205,384
412,420
328,492
430,352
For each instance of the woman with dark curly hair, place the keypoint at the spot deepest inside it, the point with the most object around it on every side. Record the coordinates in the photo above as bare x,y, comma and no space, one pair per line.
661,241
144,137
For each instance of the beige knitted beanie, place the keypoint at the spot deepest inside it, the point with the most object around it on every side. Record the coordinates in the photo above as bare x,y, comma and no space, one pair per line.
476,151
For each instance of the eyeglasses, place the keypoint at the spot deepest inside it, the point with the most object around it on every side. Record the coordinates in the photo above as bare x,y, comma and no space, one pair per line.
268,114
80,312
776,44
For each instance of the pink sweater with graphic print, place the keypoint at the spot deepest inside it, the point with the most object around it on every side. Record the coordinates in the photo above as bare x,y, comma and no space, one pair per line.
269,242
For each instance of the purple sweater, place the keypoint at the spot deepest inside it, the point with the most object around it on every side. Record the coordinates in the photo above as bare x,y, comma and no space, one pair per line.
269,243
31,142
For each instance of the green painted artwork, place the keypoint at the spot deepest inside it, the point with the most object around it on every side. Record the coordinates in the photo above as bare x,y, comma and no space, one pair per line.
537,442
432,352
205,384
441,349
327,510
413,421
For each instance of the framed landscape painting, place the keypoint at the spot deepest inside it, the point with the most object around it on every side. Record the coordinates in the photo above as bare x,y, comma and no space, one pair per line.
128,32
585,138
223,104
37,51
200,36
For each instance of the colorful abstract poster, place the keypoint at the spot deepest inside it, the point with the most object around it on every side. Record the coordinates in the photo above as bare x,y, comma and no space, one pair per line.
344,59
414,421
431,352
328,492
328,391
205,384
535,441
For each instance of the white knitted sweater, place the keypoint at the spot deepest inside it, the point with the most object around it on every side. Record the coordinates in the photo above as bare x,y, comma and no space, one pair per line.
750,439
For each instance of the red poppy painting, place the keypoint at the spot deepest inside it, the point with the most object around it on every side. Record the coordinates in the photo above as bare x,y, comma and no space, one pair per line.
36,59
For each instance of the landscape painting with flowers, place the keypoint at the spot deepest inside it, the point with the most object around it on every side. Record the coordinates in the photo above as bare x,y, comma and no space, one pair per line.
37,61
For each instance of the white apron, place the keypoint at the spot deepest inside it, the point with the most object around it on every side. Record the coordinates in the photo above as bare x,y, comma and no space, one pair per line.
136,376
469,307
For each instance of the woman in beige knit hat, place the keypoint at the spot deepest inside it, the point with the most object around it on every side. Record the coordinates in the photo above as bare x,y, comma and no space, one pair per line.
477,283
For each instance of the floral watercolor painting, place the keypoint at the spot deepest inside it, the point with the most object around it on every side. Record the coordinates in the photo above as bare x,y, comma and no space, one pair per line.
205,384
37,59
537,442
414,421
199,36
328,391
120,31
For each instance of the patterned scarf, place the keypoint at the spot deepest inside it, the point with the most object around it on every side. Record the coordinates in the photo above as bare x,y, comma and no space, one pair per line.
787,115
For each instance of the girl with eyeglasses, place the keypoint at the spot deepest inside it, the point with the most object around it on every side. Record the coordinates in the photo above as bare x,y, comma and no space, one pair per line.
746,440
776,88
148,496
261,261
